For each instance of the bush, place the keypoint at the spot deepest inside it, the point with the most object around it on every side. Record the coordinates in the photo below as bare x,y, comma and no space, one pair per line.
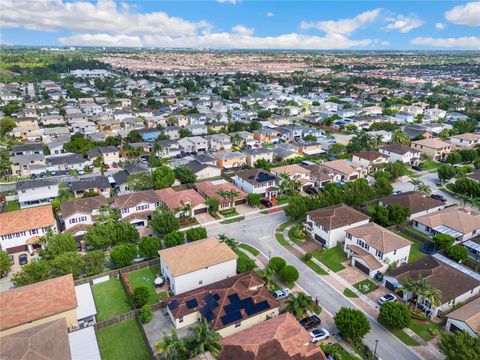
245,264
307,257
298,232
443,241
394,315
277,264
140,296
145,314
173,239
196,234
457,253
289,274
351,324
123,255
148,246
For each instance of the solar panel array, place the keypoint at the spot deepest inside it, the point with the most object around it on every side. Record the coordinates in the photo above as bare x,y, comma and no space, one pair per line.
192,303
173,305
211,302
233,310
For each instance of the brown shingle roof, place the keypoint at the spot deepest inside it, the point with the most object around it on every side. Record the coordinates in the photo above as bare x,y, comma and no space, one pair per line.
414,200
85,206
291,170
368,258
135,198
37,301
184,259
178,199
337,216
278,338
454,217
211,189
370,155
469,313
399,149
26,219
378,237
434,143
342,166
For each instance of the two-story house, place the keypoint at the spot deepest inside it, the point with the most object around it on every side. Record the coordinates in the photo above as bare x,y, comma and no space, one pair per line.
36,192
217,142
370,159
184,203
294,172
109,154
92,184
193,144
417,202
26,165
400,152
214,190
253,155
434,148
230,160
78,214
137,207
257,181
468,140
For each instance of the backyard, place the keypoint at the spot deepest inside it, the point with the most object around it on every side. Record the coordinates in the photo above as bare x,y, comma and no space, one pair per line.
146,277
416,248
331,258
110,299
122,341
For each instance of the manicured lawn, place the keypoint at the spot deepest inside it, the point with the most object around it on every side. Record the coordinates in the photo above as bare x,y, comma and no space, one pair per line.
229,221
421,329
339,352
12,206
429,165
145,277
110,299
250,249
332,258
349,293
282,201
292,237
229,212
281,239
284,225
122,341
315,267
360,286
405,338
415,250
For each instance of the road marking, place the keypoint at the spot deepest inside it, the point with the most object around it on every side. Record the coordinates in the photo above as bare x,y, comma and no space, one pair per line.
265,237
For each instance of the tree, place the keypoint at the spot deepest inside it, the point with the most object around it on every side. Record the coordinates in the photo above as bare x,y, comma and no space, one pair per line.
296,208
457,253
466,187
454,158
419,185
383,187
123,255
468,155
102,236
358,192
196,233
140,296
64,193
395,170
108,214
263,164
185,175
460,345
172,347
277,264
446,172
231,242
213,205
163,221
264,114
79,144
31,273
57,244
336,149
443,241
94,262
351,324
253,199
230,195
163,177
289,274
6,125
289,186
68,263
244,264
145,314
390,215
133,137
173,238
4,263
400,137
310,137
148,246
299,305
205,339
394,315
184,133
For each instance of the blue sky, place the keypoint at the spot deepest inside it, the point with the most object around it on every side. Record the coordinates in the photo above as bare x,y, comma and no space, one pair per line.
244,24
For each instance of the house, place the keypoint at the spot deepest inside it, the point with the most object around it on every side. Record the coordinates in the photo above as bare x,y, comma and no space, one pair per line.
203,171
286,151
193,144
212,189
230,160
119,180
457,221
27,149
167,148
228,305
400,152
137,207
434,148
97,184
281,337
372,248
184,203
257,181
328,225
20,230
311,148
108,154
266,135
417,202
217,142
78,214
36,304
466,140
253,155
473,247
370,159
26,165
417,132
456,282
67,161
321,175
346,170
197,264
294,172
217,126
173,132
36,192
197,129
466,318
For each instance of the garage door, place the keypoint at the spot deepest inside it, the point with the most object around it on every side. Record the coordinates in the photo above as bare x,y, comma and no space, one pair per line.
200,211
242,201
454,328
320,240
362,268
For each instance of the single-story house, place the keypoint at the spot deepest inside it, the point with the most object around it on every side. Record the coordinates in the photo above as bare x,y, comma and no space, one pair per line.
184,203
417,202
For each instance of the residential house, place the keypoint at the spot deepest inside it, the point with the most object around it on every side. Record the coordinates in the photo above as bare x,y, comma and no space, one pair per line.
78,214
228,305
230,160
284,151
36,192
98,184
417,202
473,247
218,126
193,144
294,172
465,318
266,135
26,165
109,154
469,140
402,153
184,203
372,248
197,264
203,171
257,181
137,207
119,180
173,132
311,148
167,148
217,142
213,189
27,149
197,129
417,132
321,175
50,120
67,161
346,170
371,160
433,115
253,155
328,225
434,148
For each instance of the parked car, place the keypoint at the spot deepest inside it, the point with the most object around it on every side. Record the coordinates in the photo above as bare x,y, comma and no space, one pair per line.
319,334
23,259
416,168
33,176
310,322
387,298
81,172
281,294
439,183
438,197
266,203
115,165
311,191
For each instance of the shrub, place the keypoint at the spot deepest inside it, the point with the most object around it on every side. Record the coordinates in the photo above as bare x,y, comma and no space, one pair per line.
123,255
148,246
307,257
245,264
351,324
443,241
289,274
277,264
140,296
173,239
145,314
196,234
457,253
298,232
394,315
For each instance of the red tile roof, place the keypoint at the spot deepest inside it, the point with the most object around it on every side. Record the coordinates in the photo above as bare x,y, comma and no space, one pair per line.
26,219
178,199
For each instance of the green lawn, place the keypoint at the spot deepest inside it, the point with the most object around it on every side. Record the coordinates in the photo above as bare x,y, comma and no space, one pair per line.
331,258
349,293
123,341
284,225
292,237
229,213
416,248
367,282
338,351
315,267
145,277
421,329
229,221
281,239
429,165
12,206
250,249
110,299
282,201
405,338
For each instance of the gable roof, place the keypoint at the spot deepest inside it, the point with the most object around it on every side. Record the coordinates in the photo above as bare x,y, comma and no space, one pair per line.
434,143
178,199
455,217
370,155
416,201
255,176
399,149
468,313
186,258
135,198
90,182
26,219
378,237
85,206
291,170
342,166
337,216
211,189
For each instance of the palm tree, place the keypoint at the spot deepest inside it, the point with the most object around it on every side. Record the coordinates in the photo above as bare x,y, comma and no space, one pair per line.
434,296
205,339
229,195
267,275
171,346
408,285
236,139
400,137
64,192
299,305
289,186
419,185
231,242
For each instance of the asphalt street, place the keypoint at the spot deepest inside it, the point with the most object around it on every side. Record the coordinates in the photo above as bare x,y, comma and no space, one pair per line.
259,232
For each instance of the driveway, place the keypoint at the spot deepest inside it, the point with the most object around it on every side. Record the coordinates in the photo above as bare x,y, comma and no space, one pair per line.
244,209
259,232
204,218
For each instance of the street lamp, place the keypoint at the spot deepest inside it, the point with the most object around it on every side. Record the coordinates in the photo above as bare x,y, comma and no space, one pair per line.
375,351
269,254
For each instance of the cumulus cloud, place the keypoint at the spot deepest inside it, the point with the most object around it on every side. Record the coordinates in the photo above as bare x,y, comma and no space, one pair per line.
342,26
403,23
468,14
242,30
440,26
233,2
101,40
465,43
270,14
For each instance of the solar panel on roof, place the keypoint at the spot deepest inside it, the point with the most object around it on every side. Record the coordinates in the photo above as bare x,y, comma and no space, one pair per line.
256,308
173,305
233,307
192,303
209,316
234,298
248,302
216,297
232,317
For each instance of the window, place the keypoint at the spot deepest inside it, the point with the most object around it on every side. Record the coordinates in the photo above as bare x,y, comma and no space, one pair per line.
349,236
180,319
394,252
200,282
238,324
379,254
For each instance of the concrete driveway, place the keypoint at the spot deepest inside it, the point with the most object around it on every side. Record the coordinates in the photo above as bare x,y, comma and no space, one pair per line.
204,218
244,209
160,325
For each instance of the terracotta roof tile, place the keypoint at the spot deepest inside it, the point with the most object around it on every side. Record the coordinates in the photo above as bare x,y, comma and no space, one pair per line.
211,189
85,206
178,199
455,217
337,216
26,219
378,237
469,313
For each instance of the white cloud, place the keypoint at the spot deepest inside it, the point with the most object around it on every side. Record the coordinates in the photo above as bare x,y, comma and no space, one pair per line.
440,26
385,43
233,2
468,14
242,30
101,40
465,43
342,26
270,14
403,23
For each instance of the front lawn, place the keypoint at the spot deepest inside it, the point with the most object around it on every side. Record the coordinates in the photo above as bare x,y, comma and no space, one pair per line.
362,286
229,221
331,258
429,164
110,299
229,213
338,351
145,277
12,206
405,338
250,249
315,267
281,240
122,341
293,236
286,224
349,293
421,329
416,248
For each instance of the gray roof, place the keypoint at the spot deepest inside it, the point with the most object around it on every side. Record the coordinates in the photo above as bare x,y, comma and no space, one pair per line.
90,182
33,184
26,159
68,158
27,147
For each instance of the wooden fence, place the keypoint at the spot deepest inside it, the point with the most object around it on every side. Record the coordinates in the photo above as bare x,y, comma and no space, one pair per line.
406,230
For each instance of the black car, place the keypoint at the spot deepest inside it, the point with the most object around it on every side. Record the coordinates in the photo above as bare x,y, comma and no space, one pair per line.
266,203
438,197
416,168
310,322
22,259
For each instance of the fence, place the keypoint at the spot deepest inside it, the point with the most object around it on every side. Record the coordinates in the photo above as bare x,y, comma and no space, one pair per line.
406,230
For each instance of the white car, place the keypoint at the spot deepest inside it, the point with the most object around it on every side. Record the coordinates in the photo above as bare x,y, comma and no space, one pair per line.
281,294
387,298
319,334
